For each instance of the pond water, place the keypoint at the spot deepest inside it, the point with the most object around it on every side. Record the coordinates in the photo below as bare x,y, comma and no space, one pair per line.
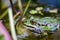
41,22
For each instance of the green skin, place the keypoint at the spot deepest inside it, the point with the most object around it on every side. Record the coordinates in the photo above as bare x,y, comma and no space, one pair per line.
27,22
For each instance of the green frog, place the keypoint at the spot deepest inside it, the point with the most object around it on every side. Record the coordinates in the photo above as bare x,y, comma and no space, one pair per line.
41,25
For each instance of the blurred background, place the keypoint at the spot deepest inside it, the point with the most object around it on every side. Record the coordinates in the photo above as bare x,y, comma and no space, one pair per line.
46,4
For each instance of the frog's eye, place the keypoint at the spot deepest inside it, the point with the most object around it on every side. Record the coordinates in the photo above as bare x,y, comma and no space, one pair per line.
32,22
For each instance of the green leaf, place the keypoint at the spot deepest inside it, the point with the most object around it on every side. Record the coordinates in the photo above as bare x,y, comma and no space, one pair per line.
33,12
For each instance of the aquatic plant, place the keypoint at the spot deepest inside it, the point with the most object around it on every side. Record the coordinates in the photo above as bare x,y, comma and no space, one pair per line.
11,19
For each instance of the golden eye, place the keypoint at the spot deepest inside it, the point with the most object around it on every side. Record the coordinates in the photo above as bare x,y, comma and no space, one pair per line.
33,22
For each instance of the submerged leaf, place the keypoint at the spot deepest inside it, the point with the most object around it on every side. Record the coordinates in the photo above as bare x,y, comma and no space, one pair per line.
33,11
39,8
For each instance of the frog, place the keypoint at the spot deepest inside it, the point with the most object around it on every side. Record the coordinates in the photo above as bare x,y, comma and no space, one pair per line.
41,25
